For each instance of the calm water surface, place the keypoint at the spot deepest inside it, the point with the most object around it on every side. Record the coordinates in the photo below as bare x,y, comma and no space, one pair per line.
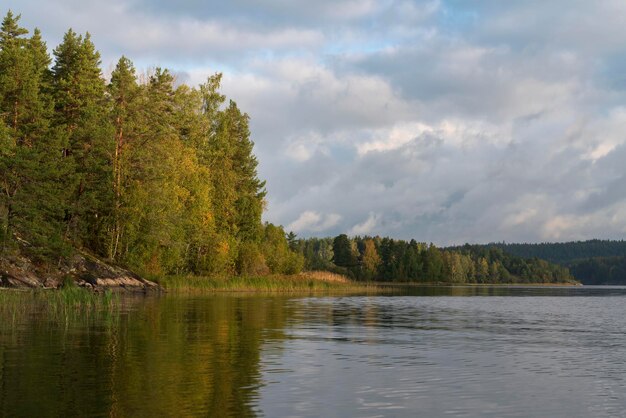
488,352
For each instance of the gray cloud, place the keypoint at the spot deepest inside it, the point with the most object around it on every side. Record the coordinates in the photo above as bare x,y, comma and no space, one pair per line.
441,120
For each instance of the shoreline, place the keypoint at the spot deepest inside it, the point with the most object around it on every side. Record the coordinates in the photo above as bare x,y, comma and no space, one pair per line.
442,284
303,282
309,282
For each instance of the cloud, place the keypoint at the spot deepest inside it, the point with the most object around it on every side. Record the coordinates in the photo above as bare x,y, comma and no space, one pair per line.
310,221
295,95
367,227
270,12
190,36
440,120
120,27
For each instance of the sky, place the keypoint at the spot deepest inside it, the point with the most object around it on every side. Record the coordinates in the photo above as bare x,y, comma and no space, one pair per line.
447,121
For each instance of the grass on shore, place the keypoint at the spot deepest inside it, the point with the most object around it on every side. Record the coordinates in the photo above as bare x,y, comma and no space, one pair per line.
303,282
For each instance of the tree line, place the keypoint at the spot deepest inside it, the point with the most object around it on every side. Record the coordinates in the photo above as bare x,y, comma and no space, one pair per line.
593,262
600,270
138,169
566,252
386,259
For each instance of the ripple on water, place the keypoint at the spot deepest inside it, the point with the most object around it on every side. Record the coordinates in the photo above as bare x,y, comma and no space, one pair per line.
479,356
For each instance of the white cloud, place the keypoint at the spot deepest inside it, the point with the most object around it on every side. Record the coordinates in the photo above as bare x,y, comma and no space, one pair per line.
310,221
519,218
603,135
367,227
556,227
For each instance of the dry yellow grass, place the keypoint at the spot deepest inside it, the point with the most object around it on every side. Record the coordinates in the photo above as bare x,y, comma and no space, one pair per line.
324,276
308,281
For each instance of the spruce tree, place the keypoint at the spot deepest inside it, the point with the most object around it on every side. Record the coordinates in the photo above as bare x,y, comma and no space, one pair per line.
342,252
250,189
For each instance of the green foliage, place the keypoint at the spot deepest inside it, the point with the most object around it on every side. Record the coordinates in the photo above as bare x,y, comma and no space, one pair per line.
158,177
317,252
343,255
31,202
566,252
370,260
278,256
592,262
386,259
80,116
251,261
69,303
600,270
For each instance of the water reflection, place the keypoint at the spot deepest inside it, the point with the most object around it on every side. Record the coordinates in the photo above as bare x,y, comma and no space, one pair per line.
501,352
162,357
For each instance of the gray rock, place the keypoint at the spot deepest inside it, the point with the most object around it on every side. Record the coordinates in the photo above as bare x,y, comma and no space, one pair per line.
84,269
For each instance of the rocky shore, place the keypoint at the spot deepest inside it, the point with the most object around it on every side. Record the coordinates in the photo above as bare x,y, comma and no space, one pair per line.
85,270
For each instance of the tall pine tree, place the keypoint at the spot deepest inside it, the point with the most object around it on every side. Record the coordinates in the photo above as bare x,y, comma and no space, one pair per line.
30,153
78,89
126,116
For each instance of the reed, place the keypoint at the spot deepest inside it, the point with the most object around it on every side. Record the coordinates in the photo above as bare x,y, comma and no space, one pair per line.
56,304
304,282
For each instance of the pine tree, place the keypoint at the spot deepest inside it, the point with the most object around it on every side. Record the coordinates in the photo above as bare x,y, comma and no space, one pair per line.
162,179
29,157
13,68
125,116
78,89
16,69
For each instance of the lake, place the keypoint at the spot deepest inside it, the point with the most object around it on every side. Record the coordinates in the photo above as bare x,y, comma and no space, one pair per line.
461,351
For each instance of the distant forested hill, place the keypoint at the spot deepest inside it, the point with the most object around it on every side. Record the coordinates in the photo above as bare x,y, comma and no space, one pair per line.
600,270
592,262
566,252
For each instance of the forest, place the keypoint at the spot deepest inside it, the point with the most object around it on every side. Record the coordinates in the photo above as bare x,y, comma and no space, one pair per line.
160,177
593,262
389,260
600,270
566,252
137,169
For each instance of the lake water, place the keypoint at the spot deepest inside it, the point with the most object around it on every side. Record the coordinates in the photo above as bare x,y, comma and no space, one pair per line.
476,352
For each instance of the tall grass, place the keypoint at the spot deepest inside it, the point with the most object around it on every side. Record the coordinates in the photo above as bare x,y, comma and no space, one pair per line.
70,301
306,282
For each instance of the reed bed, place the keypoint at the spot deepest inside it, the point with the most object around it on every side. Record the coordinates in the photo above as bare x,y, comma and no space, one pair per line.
56,304
304,282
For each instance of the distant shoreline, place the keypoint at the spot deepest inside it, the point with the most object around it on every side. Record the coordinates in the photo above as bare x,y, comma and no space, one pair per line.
434,284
